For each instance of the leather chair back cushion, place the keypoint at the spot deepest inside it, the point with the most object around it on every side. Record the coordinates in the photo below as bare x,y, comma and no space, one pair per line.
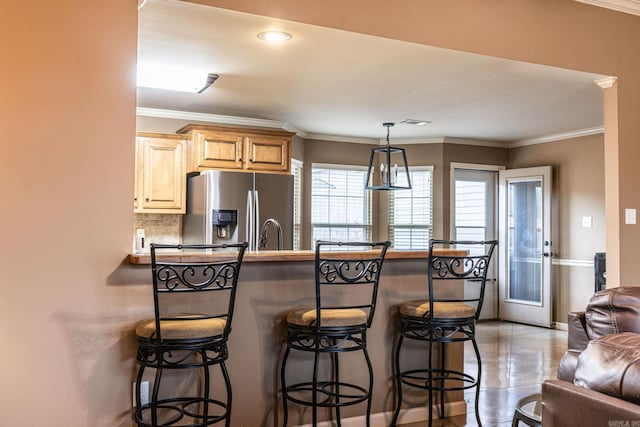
612,311
611,365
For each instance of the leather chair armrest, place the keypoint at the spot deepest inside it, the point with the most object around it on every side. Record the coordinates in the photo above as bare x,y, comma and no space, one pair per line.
577,331
565,404
568,365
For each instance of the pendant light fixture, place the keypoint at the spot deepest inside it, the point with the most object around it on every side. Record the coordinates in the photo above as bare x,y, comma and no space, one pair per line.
388,168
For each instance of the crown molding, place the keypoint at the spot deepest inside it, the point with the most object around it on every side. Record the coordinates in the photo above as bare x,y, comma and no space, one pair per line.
557,137
339,138
275,124
216,118
626,6
476,142
606,82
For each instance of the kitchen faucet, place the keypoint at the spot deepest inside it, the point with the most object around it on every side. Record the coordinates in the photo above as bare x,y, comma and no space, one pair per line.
265,229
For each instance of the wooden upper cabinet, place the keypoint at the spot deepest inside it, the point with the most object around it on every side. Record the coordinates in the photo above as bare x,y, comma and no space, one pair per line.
160,174
218,150
268,153
234,148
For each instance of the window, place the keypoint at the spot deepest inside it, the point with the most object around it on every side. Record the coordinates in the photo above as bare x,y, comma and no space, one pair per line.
340,206
410,212
470,213
296,171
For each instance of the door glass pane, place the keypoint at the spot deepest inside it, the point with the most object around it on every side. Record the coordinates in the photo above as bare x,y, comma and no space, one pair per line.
525,240
470,212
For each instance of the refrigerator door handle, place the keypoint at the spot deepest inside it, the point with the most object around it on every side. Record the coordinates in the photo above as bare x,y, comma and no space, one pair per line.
249,221
257,221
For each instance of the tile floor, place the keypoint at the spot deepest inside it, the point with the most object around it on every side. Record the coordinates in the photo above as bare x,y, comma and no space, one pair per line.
516,359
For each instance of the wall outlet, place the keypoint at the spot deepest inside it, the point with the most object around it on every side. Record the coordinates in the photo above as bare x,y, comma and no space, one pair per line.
144,393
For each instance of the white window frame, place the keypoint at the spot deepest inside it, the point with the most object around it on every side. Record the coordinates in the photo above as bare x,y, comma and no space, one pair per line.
367,226
297,170
429,227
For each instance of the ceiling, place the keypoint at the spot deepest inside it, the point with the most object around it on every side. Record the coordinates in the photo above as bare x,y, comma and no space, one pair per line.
327,82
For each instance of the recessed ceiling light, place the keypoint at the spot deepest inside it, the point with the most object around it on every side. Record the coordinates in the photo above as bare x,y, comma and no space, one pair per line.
416,122
274,36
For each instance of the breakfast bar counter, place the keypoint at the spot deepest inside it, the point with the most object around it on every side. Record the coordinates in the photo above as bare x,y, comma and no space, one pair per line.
280,256
273,282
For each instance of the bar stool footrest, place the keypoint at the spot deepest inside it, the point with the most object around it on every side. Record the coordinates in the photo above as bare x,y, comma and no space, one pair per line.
326,395
173,411
419,378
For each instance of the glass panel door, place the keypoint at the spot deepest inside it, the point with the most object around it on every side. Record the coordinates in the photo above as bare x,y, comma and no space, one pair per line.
525,241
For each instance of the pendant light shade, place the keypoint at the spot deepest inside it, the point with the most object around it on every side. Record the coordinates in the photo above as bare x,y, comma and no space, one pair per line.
388,168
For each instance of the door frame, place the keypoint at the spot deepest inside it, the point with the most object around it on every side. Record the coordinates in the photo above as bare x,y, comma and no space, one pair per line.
495,261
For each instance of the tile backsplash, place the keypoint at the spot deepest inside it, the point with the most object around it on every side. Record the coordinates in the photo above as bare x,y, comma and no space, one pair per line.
158,228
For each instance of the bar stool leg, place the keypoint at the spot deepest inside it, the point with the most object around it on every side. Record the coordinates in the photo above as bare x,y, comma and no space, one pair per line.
138,403
283,385
227,382
205,373
154,397
366,356
398,382
314,388
336,371
430,380
475,348
443,358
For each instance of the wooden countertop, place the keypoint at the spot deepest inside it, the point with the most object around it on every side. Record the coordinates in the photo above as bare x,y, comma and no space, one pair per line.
279,256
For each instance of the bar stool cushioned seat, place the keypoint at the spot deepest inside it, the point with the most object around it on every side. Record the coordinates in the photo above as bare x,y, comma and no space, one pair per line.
444,318
182,329
346,285
306,316
178,340
450,310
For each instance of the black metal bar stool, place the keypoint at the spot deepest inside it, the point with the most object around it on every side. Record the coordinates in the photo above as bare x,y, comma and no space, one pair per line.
193,303
443,319
337,324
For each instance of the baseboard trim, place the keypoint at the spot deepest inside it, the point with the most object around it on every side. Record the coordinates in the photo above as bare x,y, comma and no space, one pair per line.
410,415
562,326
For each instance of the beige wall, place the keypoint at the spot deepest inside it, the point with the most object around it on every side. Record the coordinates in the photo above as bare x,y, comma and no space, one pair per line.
578,191
67,126
67,120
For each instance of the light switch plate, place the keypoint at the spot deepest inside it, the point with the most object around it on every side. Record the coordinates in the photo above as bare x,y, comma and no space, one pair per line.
629,216
586,221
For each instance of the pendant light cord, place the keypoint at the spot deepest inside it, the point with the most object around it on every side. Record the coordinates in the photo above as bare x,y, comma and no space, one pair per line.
388,126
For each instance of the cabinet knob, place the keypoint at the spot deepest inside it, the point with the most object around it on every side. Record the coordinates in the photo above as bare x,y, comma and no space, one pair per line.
146,200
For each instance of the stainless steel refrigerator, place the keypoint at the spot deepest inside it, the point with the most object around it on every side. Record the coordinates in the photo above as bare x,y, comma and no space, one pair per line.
227,207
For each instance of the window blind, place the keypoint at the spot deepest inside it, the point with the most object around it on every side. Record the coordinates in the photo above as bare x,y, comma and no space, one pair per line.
411,212
340,206
296,171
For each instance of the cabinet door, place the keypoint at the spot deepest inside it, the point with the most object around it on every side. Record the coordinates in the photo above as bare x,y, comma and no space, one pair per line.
268,153
218,150
163,176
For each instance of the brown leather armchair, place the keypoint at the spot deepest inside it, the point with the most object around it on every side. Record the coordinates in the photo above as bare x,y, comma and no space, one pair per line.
599,376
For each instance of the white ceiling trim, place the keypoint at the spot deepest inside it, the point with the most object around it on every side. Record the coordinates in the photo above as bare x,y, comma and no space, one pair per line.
557,137
338,138
477,142
216,118
607,82
626,6
275,124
